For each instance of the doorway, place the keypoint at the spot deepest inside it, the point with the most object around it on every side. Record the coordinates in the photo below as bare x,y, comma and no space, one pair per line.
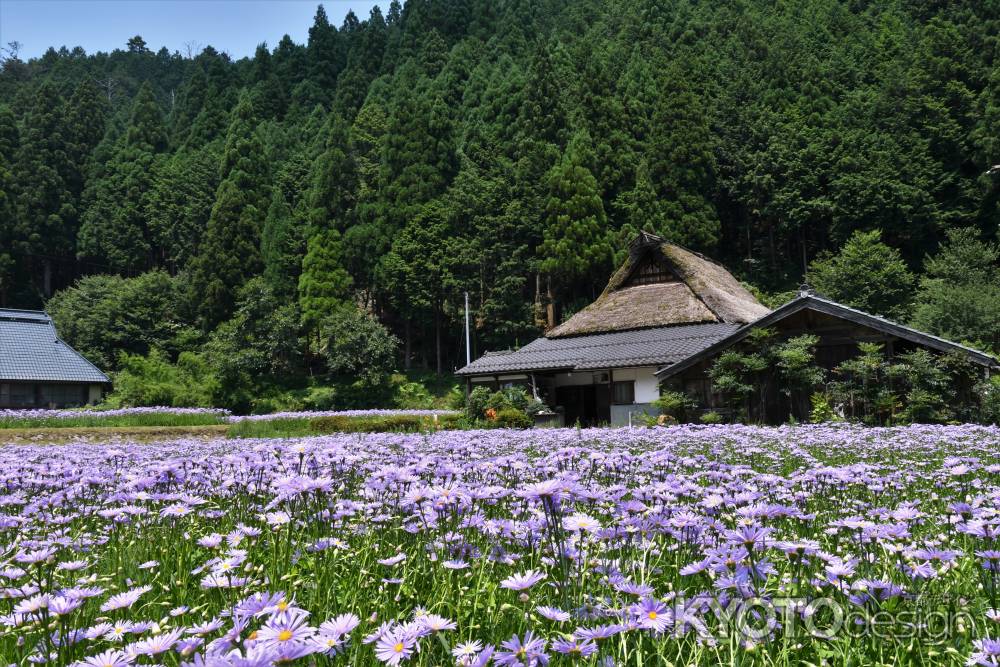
588,404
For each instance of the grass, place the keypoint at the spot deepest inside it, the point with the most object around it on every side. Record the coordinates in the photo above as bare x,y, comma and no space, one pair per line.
146,427
270,428
300,426
23,436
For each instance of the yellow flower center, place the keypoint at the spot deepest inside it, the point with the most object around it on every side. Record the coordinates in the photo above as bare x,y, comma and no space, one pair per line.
398,648
284,635
652,615
253,635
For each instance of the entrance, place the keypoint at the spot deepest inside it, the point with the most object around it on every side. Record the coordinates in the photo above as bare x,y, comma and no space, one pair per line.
588,404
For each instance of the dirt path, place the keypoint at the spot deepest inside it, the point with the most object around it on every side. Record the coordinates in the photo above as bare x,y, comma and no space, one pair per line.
55,436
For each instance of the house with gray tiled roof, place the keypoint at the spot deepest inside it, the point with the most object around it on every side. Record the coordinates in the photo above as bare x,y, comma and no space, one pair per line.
663,305
38,369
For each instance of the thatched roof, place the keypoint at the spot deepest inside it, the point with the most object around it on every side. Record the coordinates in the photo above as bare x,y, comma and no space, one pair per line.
688,288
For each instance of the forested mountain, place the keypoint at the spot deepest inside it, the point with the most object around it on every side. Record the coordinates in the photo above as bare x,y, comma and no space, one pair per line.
505,148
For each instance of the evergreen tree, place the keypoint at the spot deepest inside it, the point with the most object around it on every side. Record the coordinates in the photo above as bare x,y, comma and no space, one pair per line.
86,115
115,230
10,230
280,249
419,155
959,296
190,102
682,165
866,274
324,61
324,283
146,131
178,206
45,202
230,252
268,92
418,272
576,247
370,236
640,209
334,181
542,116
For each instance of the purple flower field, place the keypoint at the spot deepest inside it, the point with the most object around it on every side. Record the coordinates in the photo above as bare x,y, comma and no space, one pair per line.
168,416
120,412
686,545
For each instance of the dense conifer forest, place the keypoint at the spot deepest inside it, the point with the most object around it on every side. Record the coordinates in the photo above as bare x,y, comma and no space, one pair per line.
320,209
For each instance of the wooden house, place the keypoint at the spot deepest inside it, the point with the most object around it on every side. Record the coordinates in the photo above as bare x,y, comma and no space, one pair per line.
837,327
39,370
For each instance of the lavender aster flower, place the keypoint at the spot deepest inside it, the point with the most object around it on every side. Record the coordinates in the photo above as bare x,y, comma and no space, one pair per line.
395,646
523,581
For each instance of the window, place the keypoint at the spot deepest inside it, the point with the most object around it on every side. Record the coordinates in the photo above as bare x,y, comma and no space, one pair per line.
624,393
22,395
63,395
650,272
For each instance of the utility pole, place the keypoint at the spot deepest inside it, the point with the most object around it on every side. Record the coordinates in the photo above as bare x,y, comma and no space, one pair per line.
468,348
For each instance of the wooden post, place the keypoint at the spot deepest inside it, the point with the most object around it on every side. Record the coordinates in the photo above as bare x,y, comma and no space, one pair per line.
611,394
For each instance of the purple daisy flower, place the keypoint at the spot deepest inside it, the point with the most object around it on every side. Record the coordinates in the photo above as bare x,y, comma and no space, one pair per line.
652,615
395,646
553,614
528,651
575,648
124,600
288,627
109,658
523,581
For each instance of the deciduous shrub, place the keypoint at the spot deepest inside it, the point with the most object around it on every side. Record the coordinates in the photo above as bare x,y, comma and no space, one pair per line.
711,417
381,424
509,397
413,396
476,404
676,404
822,411
513,418
747,374
153,380
355,344
498,408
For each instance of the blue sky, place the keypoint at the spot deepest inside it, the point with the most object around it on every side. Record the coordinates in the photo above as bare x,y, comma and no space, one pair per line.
233,26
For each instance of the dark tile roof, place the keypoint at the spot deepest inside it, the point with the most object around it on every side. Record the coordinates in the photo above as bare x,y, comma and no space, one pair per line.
31,350
811,301
643,347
